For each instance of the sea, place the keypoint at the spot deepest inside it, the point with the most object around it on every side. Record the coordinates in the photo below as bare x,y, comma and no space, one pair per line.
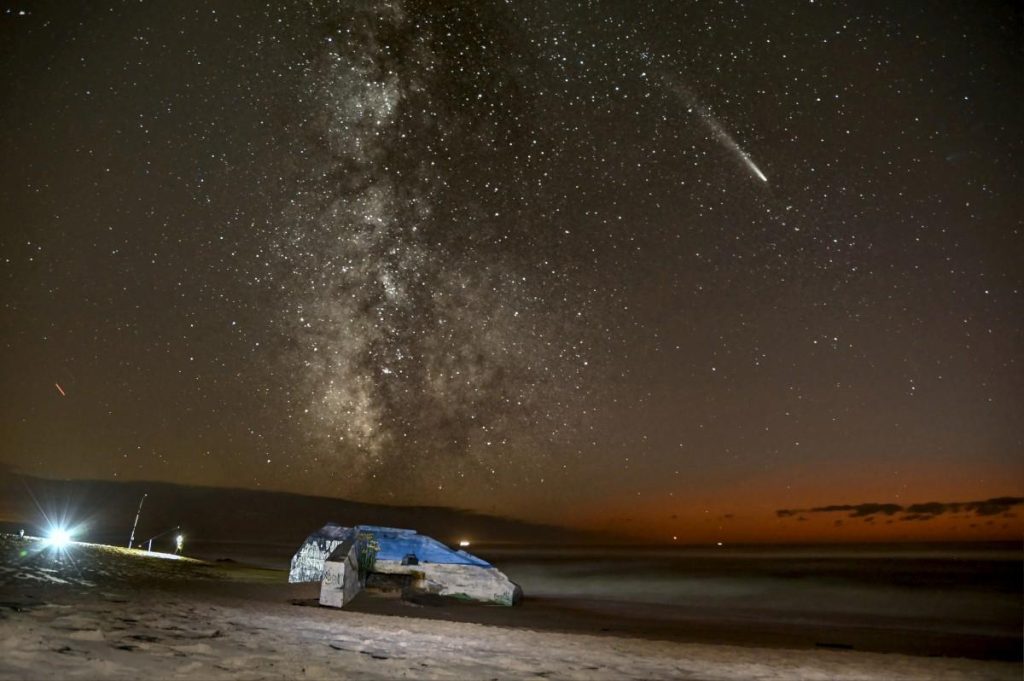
963,599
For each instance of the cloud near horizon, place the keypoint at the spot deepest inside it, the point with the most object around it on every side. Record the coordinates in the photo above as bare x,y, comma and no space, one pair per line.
925,511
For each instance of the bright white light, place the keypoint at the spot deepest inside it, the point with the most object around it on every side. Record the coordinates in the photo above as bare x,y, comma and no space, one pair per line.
59,537
750,164
463,543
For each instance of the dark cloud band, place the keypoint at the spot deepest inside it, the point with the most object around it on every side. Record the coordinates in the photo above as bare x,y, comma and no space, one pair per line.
925,511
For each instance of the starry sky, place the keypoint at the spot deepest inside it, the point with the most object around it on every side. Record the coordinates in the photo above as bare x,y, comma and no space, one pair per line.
697,270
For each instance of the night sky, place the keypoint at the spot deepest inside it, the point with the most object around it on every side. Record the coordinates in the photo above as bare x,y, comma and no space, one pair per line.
690,268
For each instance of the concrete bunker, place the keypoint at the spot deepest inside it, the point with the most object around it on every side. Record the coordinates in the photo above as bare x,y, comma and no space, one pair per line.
346,559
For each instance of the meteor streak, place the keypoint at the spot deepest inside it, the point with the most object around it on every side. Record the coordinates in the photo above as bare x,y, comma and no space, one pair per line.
727,141
753,166
60,390
719,132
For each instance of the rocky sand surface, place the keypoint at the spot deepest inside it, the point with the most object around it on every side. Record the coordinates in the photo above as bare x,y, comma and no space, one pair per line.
97,612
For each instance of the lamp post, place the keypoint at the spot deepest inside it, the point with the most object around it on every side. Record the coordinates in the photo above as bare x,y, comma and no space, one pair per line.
131,539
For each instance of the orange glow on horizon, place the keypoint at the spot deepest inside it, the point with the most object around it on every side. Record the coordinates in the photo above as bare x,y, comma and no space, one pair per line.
697,523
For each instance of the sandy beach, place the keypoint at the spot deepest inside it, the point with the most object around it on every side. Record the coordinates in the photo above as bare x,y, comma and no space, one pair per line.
103,612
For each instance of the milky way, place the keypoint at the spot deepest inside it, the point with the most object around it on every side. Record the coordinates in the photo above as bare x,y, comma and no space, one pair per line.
422,338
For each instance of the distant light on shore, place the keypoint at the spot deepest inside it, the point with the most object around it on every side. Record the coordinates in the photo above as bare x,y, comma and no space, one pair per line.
58,537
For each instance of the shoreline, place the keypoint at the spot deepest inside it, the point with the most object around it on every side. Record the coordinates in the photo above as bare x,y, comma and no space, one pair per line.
178,633
102,612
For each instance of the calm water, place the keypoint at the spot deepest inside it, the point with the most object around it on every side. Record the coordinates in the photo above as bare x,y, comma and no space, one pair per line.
966,588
